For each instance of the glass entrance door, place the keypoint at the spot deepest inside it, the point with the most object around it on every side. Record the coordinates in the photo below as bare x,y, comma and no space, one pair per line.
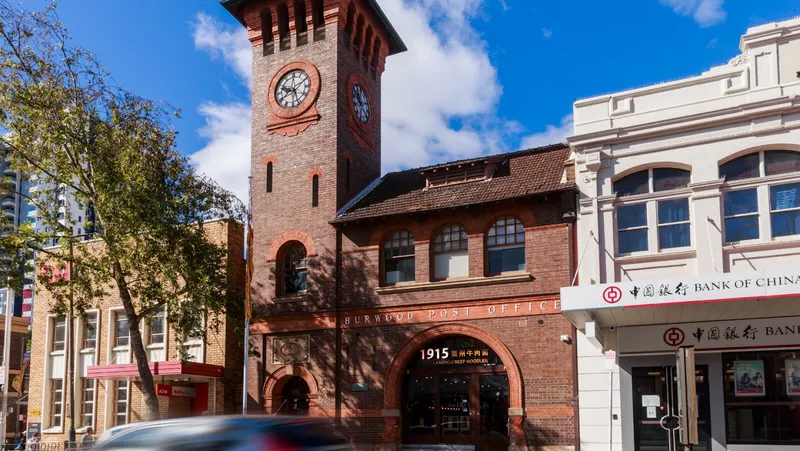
655,409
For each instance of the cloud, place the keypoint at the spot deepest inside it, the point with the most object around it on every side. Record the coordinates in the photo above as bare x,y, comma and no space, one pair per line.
226,156
705,12
552,134
224,41
547,33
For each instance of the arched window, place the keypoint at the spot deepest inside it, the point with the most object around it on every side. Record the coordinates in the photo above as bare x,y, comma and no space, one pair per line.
745,206
283,21
359,38
300,24
266,25
351,22
367,43
376,53
269,177
317,14
671,216
293,269
398,258
315,190
450,257
505,245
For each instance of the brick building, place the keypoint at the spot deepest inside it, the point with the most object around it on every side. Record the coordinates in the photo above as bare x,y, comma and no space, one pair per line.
420,307
17,375
193,376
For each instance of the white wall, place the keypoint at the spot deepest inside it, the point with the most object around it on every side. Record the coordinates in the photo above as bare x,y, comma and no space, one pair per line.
752,103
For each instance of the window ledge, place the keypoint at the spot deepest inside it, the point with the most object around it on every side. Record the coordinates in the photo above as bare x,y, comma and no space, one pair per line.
120,348
297,297
459,283
654,256
55,430
156,346
87,351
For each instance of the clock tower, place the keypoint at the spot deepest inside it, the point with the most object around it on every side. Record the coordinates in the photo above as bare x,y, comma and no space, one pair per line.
316,138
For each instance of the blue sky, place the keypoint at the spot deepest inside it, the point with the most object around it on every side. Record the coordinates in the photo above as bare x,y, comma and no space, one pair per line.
492,75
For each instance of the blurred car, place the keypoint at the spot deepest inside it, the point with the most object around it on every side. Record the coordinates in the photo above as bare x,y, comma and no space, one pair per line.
231,433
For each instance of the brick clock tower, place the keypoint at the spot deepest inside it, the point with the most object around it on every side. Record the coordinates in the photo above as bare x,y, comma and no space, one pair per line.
316,143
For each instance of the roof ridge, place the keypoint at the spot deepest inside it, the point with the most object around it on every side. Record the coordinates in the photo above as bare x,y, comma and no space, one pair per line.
548,147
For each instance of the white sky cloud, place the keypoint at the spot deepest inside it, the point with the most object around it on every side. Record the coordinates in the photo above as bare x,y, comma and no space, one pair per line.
552,134
547,33
705,12
440,97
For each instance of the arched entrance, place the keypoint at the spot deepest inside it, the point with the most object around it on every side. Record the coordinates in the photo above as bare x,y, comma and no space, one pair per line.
291,392
455,385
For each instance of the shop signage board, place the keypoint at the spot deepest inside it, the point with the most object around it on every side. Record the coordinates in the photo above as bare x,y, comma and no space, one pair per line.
711,336
718,287
175,391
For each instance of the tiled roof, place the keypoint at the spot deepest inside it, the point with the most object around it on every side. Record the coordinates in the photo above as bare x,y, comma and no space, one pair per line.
522,173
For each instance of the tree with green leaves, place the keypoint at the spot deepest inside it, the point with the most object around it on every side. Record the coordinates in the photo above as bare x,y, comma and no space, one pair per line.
67,126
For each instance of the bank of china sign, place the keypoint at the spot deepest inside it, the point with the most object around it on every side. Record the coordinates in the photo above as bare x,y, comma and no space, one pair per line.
721,287
711,336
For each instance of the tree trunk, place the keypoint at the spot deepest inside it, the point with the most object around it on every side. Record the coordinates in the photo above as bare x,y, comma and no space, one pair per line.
137,347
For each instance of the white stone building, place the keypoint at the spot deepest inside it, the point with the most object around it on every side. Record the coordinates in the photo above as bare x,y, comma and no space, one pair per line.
689,235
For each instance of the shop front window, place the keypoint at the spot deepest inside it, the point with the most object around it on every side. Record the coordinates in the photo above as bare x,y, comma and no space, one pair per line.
762,397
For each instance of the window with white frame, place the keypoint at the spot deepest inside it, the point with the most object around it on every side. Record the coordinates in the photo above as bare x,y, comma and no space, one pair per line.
87,402
758,197
194,344
90,330
56,402
59,334
450,257
122,334
121,398
651,207
155,329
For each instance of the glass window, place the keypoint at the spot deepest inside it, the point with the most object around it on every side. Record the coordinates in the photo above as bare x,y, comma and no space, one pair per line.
121,331
758,407
121,403
494,404
155,329
740,209
56,402
421,405
87,402
673,223
454,406
665,179
59,334
781,161
632,228
506,246
741,168
450,257
90,330
295,268
785,209
398,258
636,183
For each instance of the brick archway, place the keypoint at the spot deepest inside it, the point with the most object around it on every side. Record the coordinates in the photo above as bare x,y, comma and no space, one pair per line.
392,391
292,235
273,389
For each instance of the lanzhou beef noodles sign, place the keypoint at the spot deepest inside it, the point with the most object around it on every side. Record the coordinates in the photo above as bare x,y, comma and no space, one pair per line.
455,351
738,286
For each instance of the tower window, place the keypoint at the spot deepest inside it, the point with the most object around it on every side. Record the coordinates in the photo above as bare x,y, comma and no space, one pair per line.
300,16
376,51
294,268
266,25
315,191
317,14
269,177
283,21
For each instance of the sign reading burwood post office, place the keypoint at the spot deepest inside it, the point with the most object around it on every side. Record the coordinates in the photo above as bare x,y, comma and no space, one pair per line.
722,287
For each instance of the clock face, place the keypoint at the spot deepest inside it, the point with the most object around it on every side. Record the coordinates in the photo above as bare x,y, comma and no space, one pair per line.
292,89
361,103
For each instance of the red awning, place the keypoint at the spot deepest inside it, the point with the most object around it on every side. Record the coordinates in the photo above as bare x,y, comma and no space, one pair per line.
168,368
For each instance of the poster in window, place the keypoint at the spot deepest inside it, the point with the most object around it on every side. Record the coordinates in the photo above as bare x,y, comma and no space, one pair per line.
749,376
793,377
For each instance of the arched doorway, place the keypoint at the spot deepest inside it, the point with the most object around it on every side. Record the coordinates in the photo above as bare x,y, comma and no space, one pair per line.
456,392
295,394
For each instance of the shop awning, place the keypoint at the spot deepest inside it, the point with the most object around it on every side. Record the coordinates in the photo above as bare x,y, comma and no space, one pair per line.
168,368
756,294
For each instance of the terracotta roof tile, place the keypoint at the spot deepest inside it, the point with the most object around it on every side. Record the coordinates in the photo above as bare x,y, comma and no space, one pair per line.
522,173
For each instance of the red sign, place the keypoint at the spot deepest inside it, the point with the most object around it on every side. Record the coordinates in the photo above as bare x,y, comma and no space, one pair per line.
175,390
163,390
612,295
